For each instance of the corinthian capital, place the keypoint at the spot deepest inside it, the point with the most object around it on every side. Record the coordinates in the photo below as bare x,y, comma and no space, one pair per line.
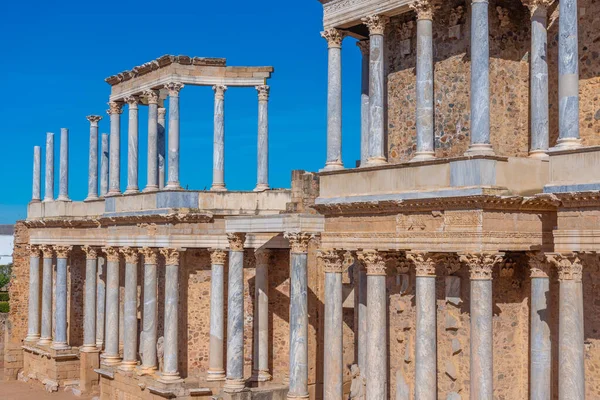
333,261
94,119
131,254
334,37
374,262
34,251
151,96
236,241
91,252
115,107
397,261
538,264
112,253
132,101
63,251
424,263
174,88
569,266
219,91
536,6
298,241
47,251
376,24
171,256
481,265
424,8
149,254
263,92
218,256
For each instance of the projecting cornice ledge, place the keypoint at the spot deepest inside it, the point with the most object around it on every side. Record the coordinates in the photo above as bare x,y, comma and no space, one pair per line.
348,13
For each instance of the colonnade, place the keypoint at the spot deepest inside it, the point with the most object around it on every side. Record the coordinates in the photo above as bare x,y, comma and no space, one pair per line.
373,84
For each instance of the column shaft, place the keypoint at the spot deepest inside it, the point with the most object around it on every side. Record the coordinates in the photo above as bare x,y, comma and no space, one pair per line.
152,172
60,331
104,161
539,83
149,335
334,99
362,320
262,172
46,337
111,347
235,322
298,326
132,146
63,187
33,330
540,377
334,352
219,139
364,104
426,339
425,135
130,345
36,194
89,307
101,302
171,364
161,146
93,158
261,299
216,372
115,148
571,354
481,339
376,101
376,372
49,173
173,165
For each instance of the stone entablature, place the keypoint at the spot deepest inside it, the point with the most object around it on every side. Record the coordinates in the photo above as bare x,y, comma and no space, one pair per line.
347,13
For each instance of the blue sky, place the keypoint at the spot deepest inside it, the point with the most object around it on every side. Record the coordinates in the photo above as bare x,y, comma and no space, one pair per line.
56,55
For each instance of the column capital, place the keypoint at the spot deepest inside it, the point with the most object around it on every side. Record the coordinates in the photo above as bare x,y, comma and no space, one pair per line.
150,254
94,119
131,255
299,241
374,262
334,37
115,107
398,261
132,101
569,266
91,252
174,88
263,92
151,95
538,264
171,256
112,253
364,46
218,256
34,250
47,251
424,263
450,261
63,251
481,265
263,256
425,8
537,6
236,241
376,24
333,261
219,91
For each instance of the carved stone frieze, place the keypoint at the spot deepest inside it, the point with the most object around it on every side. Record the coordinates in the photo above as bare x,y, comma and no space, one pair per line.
299,241
481,265
236,241
334,37
218,256
112,253
171,256
569,266
538,264
374,262
150,255
376,24
332,260
91,252
131,255
62,251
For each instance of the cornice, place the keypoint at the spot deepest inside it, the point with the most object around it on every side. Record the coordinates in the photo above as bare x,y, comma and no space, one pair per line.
101,221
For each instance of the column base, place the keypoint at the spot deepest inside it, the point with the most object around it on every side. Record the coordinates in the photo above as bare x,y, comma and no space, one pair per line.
215,375
567,144
60,346
234,385
33,339
63,198
47,200
44,342
170,377
33,201
91,198
127,366
291,396
539,154
261,187
173,186
112,193
131,191
99,345
372,161
218,187
89,348
143,370
261,376
332,166
110,360
423,156
149,189
477,149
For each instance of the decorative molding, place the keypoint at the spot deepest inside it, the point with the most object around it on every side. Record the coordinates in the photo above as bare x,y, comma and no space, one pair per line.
34,250
365,47
374,262
334,38
114,107
376,24
94,119
132,255
91,252
112,253
174,88
425,8
219,91
424,263
152,96
236,241
538,264
132,101
332,260
47,251
63,251
481,265
171,256
569,266
299,241
263,92
150,255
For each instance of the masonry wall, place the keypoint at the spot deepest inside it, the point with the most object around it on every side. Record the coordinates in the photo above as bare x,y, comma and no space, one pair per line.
509,78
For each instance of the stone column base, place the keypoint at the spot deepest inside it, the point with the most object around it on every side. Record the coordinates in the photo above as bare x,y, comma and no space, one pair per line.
169,377
567,143
215,375
218,187
88,379
372,161
423,156
234,385
261,187
476,149
110,360
333,166
127,366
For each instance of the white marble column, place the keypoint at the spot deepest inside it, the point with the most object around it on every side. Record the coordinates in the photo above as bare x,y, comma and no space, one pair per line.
33,320
130,326
219,139
540,360
571,351
377,364
363,45
480,268
111,345
149,334
162,123
132,145
261,316
298,387
89,300
216,370
115,111
100,301
63,187
60,312
262,171
46,336
334,39
153,142
568,76
170,372
376,25
480,79
333,359
36,191
173,164
362,333
104,161
235,314
93,158
426,328
538,83
49,172
425,110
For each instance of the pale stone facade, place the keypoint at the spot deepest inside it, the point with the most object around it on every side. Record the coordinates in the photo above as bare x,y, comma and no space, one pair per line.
464,266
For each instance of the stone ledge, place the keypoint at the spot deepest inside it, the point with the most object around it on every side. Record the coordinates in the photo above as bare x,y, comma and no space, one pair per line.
105,373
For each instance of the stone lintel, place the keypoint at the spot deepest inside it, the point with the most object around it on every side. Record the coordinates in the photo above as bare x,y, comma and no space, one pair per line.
348,13
275,223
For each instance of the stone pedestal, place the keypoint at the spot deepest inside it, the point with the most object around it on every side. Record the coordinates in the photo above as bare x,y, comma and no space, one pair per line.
88,378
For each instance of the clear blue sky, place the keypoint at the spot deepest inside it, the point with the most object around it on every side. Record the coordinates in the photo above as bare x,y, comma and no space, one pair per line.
56,55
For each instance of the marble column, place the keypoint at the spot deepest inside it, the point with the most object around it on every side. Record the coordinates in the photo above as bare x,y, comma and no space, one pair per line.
130,345
104,161
571,348
425,110
334,39
261,315
173,164
101,302
170,372
115,111
262,171
480,268
132,145
540,360
377,364
216,371
89,300
149,335
235,314
111,338
333,359
376,25
568,76
33,320
153,142
362,316
480,80
363,45
93,158
538,84
63,186
298,387
426,328
219,139
60,331
36,194
162,123
46,336
49,173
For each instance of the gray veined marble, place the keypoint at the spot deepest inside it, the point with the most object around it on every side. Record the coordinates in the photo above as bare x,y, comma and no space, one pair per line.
364,109
60,334
235,323
426,339
33,320
216,371
333,375
540,376
46,336
173,142
36,194
539,83
161,146
481,340
89,305
100,302
362,320
377,338
114,185
425,135
262,172
93,159
63,187
111,347
298,387
376,101
152,172
130,346
262,322
571,355
104,161
149,335
334,109
219,139
171,363
49,173
132,149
